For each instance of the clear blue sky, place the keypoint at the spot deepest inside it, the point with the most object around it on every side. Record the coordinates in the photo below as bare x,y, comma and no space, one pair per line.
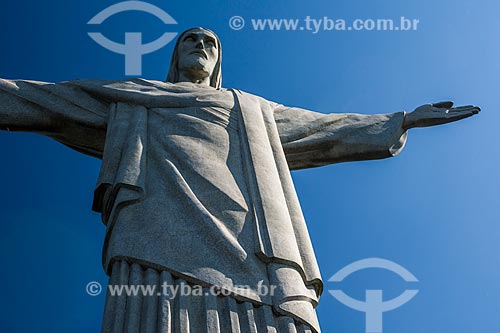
432,209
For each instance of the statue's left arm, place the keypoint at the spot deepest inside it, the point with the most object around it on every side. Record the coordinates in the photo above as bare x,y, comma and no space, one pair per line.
312,139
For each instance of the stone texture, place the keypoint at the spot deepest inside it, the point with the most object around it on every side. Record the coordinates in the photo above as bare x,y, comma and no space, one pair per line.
191,314
195,181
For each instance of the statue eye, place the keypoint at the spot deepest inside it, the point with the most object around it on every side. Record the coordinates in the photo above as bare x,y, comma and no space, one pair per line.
189,38
210,42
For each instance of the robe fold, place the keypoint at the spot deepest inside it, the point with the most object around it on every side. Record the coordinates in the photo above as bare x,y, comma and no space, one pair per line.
196,180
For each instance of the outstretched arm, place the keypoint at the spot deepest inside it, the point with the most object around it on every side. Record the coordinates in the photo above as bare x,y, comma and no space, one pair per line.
58,110
312,139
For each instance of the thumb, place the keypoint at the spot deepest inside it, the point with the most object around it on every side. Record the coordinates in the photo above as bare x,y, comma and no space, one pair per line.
444,105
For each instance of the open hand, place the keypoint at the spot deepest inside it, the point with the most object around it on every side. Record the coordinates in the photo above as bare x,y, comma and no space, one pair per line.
437,114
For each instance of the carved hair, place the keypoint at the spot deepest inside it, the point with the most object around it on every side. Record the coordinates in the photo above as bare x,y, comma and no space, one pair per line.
215,77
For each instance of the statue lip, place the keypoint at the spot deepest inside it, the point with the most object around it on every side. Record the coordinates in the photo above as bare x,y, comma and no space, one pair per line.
201,53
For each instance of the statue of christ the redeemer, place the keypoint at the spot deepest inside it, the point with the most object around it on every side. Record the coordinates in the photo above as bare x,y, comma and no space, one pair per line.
195,188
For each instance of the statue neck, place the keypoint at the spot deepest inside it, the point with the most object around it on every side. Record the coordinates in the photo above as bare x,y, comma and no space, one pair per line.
194,78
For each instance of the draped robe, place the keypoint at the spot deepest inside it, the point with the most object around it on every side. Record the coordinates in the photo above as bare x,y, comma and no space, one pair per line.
196,181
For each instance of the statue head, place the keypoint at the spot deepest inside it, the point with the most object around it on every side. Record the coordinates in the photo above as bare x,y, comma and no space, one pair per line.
197,57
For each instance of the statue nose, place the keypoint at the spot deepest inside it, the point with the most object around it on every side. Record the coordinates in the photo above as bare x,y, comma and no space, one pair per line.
200,45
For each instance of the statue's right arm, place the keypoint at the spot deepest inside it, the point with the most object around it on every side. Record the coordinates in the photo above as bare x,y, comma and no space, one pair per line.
61,111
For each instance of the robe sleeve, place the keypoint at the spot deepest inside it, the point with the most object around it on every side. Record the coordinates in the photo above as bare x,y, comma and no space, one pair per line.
312,139
58,110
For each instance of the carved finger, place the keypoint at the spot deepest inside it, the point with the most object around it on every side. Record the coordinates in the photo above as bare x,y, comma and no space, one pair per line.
471,108
443,105
457,115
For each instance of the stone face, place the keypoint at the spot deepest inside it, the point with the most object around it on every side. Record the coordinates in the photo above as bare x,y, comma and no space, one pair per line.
195,184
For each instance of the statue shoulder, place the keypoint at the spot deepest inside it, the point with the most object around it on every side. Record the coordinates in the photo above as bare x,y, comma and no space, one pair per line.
120,88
